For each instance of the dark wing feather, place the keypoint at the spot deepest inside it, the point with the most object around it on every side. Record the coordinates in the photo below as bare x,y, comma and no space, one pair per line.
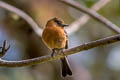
66,46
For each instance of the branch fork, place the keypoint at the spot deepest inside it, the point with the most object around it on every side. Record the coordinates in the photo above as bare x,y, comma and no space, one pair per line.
4,49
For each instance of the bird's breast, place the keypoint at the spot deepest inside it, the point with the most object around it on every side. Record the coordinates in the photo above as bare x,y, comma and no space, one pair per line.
54,37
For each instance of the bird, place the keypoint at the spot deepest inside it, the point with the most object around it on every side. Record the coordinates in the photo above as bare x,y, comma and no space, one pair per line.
56,39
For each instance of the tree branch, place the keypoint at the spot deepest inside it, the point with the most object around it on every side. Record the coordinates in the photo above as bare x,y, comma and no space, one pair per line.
77,24
23,15
4,49
74,50
36,28
93,14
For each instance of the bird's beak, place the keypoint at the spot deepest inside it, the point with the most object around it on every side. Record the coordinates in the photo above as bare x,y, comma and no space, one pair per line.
65,25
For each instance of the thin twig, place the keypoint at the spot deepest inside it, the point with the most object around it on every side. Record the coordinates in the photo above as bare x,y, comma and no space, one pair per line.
77,24
4,49
74,50
93,14
23,15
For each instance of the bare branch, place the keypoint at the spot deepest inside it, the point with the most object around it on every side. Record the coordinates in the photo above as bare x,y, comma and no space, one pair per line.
77,24
93,14
74,50
4,50
23,15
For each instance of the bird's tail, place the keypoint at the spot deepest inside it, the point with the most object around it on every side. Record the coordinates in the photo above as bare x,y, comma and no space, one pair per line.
65,67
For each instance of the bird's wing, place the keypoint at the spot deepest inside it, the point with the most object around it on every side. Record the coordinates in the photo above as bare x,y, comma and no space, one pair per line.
66,46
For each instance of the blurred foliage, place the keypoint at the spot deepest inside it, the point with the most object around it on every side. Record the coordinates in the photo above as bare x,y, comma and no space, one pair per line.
89,3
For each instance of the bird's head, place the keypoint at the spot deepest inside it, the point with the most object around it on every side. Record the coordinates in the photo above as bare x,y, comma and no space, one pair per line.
58,22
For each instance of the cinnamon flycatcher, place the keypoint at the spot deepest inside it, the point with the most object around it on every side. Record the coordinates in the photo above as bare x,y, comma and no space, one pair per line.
55,38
